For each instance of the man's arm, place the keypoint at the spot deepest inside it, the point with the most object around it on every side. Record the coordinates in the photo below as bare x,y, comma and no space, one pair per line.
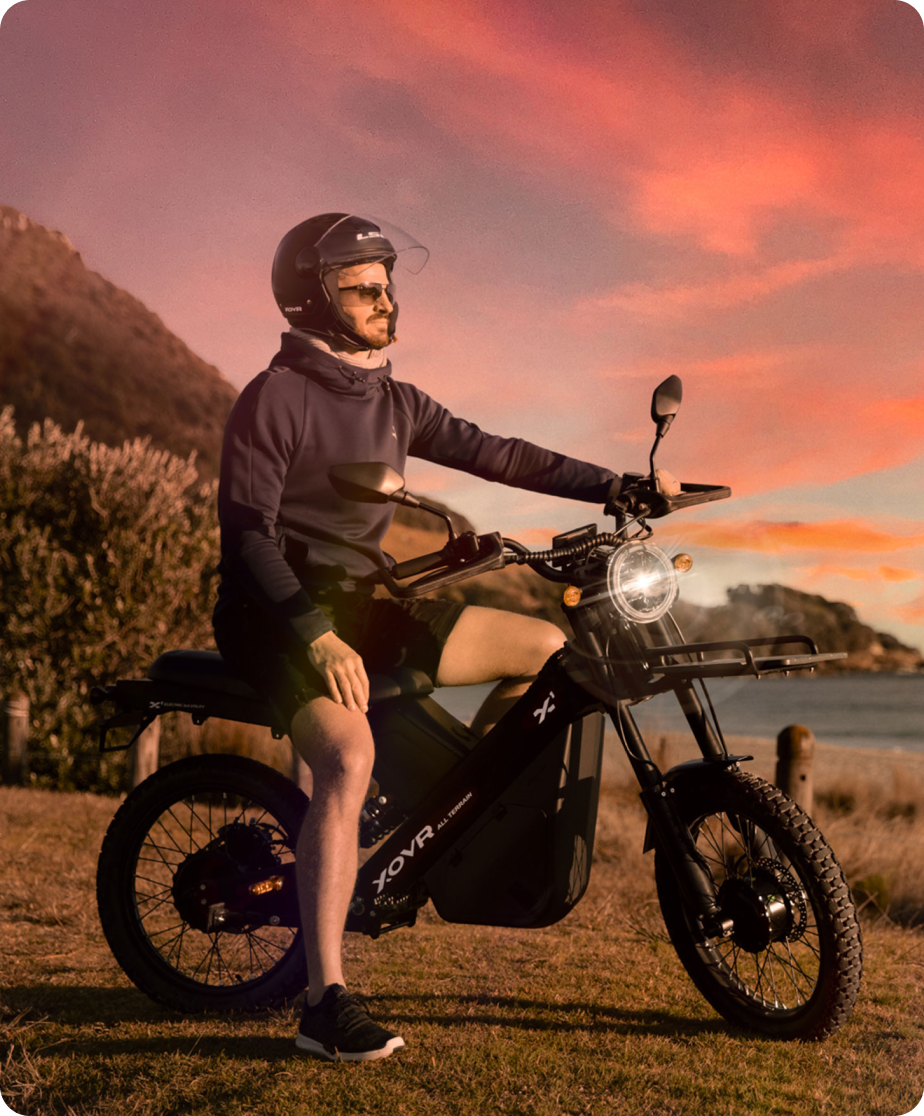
447,440
262,433
260,437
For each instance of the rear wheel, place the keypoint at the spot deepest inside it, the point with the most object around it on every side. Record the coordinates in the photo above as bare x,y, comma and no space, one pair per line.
196,885
791,966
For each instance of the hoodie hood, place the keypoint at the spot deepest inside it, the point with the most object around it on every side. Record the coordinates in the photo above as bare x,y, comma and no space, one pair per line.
329,371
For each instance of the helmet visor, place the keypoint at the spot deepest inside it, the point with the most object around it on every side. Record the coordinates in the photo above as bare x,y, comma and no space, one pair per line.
356,240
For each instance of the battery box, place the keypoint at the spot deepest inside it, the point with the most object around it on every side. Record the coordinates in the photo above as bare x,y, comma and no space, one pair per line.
527,861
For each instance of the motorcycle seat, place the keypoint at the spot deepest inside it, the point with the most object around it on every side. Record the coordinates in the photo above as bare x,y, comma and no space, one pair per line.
208,670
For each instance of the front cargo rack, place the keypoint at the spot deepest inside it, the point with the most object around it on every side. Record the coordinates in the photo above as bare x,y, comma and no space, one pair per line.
662,661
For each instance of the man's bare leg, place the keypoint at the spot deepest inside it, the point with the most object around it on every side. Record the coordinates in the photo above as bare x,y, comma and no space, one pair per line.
486,644
336,743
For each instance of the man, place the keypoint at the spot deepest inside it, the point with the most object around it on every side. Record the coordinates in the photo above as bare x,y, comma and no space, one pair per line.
296,616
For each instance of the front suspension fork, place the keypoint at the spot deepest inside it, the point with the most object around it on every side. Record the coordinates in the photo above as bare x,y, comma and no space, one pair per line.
689,867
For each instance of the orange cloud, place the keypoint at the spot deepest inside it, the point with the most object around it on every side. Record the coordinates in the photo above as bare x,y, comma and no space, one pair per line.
717,200
779,538
912,613
741,364
760,418
860,573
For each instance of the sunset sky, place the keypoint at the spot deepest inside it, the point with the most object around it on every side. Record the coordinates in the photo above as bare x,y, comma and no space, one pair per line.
611,191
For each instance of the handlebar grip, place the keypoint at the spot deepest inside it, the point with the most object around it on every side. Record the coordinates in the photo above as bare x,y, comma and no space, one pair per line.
489,555
419,564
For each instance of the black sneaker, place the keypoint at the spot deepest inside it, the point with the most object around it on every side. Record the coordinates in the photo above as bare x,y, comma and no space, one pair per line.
339,1029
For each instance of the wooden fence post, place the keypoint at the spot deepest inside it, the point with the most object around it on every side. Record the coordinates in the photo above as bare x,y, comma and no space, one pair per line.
14,732
144,756
795,750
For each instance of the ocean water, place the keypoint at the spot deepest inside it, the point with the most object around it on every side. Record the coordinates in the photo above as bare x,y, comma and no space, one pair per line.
856,710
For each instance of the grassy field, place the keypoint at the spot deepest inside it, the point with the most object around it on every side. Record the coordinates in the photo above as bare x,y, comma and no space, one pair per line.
594,1015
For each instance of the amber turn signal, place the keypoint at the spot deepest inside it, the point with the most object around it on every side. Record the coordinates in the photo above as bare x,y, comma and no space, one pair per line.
571,596
682,563
274,883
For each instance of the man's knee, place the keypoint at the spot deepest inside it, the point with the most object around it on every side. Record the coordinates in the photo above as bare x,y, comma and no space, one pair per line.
544,640
334,742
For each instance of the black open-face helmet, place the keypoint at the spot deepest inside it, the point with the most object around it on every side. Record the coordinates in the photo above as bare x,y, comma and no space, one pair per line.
310,256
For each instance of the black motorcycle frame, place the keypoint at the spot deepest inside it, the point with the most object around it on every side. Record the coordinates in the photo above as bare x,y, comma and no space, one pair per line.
558,712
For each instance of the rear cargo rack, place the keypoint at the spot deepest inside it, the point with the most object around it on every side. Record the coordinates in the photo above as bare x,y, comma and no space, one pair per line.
139,701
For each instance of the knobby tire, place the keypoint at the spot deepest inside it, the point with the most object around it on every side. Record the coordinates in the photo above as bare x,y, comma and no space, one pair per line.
164,821
804,984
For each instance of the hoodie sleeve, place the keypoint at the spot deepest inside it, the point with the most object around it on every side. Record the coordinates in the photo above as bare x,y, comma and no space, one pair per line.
442,438
260,438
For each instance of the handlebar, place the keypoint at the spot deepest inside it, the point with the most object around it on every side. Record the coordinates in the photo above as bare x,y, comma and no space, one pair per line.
418,565
460,558
641,501
469,554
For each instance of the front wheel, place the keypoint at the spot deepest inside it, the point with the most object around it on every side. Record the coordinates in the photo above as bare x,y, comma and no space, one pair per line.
196,885
791,966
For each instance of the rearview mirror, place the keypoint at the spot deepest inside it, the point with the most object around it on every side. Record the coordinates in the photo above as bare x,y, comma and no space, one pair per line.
368,482
665,403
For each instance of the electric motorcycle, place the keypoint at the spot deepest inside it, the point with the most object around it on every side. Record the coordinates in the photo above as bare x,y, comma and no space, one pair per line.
196,882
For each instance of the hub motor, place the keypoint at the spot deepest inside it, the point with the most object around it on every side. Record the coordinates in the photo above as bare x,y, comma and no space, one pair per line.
220,885
765,903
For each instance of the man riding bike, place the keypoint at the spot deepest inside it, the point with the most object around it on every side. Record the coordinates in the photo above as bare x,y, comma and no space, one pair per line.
296,616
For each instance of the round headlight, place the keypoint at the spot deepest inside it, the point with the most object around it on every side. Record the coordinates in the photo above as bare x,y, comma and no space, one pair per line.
641,582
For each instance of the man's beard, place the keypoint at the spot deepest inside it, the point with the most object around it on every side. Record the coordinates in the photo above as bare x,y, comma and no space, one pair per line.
377,341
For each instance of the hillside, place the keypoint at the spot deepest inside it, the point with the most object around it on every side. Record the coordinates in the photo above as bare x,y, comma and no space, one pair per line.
765,610
75,347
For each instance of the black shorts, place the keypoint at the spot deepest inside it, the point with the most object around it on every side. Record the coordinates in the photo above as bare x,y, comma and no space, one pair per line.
386,633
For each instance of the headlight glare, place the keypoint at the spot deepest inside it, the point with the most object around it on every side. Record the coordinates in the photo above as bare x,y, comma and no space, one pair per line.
641,582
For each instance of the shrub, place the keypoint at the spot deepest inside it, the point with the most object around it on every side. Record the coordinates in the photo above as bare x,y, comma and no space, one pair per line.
107,557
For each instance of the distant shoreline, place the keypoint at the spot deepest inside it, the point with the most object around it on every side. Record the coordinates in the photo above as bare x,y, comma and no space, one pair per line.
834,763
806,675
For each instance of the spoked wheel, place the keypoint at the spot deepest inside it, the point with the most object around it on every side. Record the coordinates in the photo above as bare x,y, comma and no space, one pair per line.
196,885
791,966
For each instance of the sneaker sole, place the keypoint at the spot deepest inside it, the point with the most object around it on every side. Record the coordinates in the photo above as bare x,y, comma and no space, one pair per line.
319,1050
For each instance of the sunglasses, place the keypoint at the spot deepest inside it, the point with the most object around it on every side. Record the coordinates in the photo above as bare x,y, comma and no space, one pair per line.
364,294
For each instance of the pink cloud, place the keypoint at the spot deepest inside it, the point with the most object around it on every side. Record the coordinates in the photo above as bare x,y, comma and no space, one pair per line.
684,169
683,147
716,294
666,139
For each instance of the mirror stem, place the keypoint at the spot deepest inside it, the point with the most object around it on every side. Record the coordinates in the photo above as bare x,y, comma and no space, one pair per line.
442,515
655,483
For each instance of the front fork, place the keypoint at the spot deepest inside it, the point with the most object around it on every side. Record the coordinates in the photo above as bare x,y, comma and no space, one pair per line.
665,824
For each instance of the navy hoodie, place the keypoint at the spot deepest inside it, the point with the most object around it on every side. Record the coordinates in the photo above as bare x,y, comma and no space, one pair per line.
285,531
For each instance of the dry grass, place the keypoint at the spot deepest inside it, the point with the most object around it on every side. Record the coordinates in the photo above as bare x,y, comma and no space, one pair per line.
593,1015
